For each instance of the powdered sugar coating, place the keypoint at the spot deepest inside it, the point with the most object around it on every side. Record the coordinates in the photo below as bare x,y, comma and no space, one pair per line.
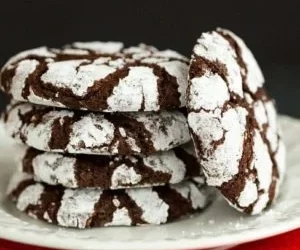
123,172
138,87
255,78
24,69
47,218
132,79
31,195
140,51
261,203
77,206
262,163
74,75
55,169
260,113
84,208
155,210
166,136
169,54
132,142
233,122
209,92
41,52
150,54
93,130
280,158
222,163
249,194
39,134
100,47
214,47
179,70
95,133
120,218
272,130
70,51
183,190
124,176
199,198
167,162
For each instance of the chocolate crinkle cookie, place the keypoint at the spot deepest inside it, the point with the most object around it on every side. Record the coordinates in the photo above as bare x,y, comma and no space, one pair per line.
98,76
109,172
87,208
77,132
105,132
233,122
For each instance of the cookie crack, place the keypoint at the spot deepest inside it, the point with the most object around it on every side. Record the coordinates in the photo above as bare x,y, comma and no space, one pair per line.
93,99
105,208
103,211
61,130
178,205
134,129
92,171
33,116
260,95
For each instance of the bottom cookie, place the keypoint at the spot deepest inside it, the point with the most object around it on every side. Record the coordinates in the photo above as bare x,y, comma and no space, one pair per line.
87,208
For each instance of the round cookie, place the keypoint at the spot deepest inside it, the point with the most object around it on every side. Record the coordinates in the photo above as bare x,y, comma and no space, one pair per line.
98,76
77,132
233,122
86,208
109,172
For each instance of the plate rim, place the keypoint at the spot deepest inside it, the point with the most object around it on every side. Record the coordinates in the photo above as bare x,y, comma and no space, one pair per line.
183,243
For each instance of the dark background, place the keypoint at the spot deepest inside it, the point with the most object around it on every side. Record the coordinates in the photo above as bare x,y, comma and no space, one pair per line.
270,28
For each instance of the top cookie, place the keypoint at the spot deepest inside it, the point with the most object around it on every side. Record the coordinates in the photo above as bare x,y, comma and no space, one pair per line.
98,76
233,122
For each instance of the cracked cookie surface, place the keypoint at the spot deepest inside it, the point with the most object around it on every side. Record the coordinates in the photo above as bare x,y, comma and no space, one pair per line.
78,132
87,208
109,172
233,122
98,76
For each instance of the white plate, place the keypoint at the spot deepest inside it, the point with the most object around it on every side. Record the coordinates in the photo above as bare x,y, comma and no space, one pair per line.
219,225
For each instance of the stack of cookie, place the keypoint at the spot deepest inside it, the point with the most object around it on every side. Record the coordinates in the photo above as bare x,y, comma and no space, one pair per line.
104,142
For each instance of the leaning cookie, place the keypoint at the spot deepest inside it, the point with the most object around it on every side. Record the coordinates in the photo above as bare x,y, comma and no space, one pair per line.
98,77
109,172
77,132
233,122
86,208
